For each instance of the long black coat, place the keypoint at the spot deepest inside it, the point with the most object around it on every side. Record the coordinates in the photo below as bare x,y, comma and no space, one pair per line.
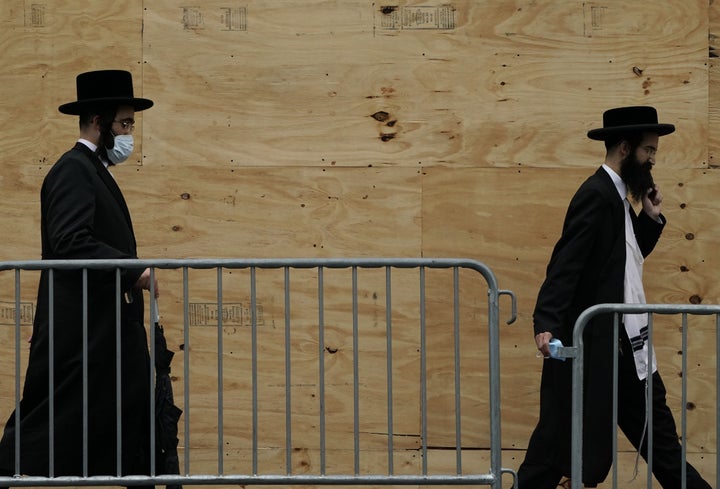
587,267
84,216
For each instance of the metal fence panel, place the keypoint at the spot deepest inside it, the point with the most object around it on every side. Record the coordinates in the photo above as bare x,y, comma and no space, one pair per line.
288,290
576,353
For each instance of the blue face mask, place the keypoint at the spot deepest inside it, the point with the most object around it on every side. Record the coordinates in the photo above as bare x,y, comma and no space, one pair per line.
122,149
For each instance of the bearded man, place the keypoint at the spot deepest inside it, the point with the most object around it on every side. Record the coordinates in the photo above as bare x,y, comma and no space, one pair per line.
599,259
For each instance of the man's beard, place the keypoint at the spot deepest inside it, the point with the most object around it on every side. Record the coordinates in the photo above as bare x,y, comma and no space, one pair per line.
107,141
637,176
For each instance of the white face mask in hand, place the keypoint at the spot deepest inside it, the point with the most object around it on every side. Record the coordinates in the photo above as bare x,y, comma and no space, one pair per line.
122,149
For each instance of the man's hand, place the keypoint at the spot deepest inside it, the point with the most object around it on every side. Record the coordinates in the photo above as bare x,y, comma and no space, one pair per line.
542,341
651,202
144,282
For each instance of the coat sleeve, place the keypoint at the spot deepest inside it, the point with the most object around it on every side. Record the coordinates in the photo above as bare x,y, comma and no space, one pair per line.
647,232
586,215
68,202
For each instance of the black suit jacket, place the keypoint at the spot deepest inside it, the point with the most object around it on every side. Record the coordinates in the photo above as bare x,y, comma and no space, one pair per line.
84,216
587,267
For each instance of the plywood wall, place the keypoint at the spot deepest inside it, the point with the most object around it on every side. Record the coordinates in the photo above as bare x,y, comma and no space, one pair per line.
323,128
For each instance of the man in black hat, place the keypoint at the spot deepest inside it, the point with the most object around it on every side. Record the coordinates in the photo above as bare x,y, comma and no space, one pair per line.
84,216
598,259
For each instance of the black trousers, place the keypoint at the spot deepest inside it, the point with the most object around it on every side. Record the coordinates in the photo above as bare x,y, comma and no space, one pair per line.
667,452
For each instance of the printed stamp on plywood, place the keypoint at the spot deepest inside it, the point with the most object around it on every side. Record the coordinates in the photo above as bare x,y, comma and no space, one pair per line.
9,313
395,17
232,314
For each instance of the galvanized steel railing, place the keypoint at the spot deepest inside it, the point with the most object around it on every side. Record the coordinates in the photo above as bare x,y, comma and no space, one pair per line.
220,475
576,353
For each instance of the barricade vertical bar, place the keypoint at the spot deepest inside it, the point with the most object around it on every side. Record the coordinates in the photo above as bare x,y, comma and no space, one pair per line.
576,442
18,415
356,386
456,339
154,320
389,378
423,374
253,315
321,366
118,374
288,375
683,396
616,369
85,372
649,404
494,376
221,441
51,373
186,368
717,399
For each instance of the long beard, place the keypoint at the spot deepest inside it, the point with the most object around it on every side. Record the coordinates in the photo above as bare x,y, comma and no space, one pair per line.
637,176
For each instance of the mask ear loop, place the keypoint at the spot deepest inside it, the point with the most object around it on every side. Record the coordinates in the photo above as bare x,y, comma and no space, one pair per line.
106,116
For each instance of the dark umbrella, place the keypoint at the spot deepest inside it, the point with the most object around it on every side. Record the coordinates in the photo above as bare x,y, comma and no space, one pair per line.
167,414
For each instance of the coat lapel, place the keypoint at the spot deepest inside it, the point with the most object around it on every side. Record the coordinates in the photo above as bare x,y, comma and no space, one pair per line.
618,208
109,182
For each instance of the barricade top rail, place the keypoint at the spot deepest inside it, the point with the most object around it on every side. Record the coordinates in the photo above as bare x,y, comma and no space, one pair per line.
589,313
619,308
245,262
237,263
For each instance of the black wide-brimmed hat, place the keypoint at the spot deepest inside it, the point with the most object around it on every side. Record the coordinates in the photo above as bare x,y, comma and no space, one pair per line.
104,87
624,120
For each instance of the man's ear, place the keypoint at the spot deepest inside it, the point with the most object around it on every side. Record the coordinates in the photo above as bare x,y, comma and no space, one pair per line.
96,121
624,148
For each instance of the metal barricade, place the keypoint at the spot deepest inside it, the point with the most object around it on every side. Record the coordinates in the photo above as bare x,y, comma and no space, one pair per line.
412,370
576,353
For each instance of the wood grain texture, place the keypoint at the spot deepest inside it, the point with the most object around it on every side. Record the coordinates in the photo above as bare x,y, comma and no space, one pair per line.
419,79
713,85
270,212
328,129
